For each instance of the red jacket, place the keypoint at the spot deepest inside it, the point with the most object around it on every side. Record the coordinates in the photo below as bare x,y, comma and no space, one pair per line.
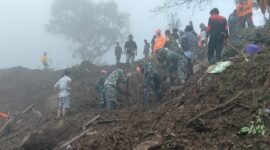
217,25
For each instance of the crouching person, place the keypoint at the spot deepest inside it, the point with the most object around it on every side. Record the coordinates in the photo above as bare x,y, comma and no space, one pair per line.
63,86
152,80
100,88
112,88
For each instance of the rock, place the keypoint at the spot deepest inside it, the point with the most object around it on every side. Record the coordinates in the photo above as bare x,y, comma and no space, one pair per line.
149,145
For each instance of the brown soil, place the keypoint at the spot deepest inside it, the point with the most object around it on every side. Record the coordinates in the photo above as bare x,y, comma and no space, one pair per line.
162,126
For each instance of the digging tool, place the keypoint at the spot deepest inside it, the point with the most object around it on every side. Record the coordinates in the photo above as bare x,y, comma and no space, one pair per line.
237,50
127,91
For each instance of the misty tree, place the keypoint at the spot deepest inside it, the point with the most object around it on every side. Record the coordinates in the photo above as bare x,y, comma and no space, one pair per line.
93,27
174,21
174,4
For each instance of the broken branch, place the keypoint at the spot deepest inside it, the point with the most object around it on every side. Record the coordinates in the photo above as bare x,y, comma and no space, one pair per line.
90,122
213,109
75,138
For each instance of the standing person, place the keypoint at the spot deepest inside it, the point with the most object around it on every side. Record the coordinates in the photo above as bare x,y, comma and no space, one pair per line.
189,41
249,13
112,88
245,13
151,80
153,43
130,50
63,86
118,52
232,21
192,28
218,31
44,60
159,44
100,88
202,37
175,35
146,49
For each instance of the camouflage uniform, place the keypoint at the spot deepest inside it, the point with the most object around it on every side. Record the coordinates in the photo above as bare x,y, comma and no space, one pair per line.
111,86
101,91
173,60
151,81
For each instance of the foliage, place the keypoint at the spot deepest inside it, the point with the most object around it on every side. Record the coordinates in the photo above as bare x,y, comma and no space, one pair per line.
172,4
256,127
174,21
93,27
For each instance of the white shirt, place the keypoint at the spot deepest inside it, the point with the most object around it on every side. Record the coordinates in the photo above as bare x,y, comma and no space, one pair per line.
203,35
64,86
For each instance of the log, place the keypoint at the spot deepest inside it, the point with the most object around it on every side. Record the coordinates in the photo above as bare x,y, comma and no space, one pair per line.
75,138
90,122
6,124
213,109
37,113
28,108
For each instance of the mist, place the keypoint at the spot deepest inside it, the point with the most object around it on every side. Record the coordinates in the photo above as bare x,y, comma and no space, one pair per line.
23,37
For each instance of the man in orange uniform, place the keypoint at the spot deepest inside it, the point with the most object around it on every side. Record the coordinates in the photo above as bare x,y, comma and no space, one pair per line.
159,44
244,13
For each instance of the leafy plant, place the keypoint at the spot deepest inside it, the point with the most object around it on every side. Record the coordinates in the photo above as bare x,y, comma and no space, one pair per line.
256,127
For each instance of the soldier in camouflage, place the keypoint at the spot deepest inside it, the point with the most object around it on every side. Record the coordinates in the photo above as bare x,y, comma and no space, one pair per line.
173,61
100,88
112,86
172,58
151,80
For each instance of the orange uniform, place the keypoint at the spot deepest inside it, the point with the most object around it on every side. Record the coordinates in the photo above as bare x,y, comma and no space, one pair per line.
249,7
159,43
244,8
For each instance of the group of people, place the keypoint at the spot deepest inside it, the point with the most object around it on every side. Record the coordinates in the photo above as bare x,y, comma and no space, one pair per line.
130,50
241,16
172,51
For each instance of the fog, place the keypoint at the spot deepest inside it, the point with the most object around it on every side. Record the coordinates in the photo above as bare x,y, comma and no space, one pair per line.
23,37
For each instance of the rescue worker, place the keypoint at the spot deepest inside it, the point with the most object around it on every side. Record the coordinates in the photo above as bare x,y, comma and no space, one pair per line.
100,88
218,31
44,60
152,80
153,43
249,13
118,52
63,86
189,41
170,41
146,49
130,50
175,35
172,61
159,44
112,88
244,13
192,28
202,40
232,21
